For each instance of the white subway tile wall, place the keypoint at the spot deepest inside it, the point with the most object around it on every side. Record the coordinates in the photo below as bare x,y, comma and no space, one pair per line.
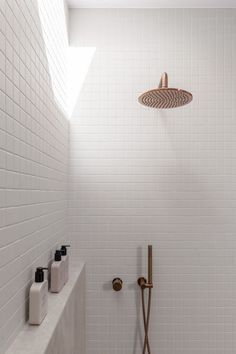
33,150
167,178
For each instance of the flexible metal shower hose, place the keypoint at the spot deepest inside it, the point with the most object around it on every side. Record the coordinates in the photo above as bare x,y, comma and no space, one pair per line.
146,320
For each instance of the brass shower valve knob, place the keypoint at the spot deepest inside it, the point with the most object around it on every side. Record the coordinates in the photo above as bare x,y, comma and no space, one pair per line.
117,284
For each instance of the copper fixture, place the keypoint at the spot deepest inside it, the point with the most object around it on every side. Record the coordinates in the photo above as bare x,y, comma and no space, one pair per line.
117,284
146,284
142,282
165,97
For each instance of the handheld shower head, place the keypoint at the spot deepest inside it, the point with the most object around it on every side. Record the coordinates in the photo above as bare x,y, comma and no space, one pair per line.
149,264
165,97
143,282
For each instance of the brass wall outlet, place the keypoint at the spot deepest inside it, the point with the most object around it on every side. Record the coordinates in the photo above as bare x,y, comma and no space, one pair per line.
117,284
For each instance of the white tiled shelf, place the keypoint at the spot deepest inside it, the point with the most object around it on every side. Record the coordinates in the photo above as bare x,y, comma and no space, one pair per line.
50,336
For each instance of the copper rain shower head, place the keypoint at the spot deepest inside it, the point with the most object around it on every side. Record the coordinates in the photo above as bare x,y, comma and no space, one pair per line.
165,97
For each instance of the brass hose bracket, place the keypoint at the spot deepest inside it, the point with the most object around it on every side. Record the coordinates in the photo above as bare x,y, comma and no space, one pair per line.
142,282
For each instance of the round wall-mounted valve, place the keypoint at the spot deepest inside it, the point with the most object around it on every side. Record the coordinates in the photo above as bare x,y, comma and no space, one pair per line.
117,284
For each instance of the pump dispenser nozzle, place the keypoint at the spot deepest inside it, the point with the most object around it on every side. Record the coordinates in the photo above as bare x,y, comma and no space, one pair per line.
64,250
39,274
57,257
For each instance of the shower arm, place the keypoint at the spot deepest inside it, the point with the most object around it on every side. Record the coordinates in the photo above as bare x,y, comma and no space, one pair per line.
142,282
163,81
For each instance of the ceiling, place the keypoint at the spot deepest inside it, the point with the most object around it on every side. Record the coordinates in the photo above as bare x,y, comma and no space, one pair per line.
152,3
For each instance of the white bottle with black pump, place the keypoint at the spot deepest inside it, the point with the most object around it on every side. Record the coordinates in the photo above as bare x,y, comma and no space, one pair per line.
65,260
38,298
57,273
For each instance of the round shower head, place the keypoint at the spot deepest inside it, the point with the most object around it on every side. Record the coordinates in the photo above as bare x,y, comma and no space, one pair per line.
165,97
